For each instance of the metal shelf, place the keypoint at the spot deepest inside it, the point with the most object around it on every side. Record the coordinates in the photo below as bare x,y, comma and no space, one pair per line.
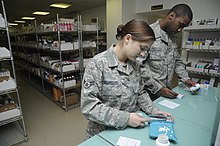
203,50
204,73
41,32
4,54
8,86
31,43
203,28
11,133
10,116
12,127
58,72
78,85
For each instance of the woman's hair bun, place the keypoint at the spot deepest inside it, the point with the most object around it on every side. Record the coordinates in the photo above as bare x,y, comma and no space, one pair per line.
120,33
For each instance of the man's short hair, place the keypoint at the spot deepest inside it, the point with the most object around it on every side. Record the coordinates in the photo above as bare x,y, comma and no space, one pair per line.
182,10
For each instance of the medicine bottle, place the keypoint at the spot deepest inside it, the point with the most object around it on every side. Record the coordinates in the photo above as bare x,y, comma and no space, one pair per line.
162,140
206,85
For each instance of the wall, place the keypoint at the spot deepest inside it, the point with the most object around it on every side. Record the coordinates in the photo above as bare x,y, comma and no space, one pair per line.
113,19
99,12
119,12
202,9
129,11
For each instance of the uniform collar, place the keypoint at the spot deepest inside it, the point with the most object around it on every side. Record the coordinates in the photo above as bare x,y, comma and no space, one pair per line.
113,61
112,58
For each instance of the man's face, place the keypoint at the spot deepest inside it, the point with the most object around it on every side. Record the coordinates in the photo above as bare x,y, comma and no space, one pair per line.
176,24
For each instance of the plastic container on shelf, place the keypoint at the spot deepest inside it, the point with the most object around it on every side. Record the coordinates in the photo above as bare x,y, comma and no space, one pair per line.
206,85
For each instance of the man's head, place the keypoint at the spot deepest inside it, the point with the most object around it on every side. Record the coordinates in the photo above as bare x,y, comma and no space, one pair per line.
177,18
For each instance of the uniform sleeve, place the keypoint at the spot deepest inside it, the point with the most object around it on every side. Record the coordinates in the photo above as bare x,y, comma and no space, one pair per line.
180,68
150,83
92,105
146,103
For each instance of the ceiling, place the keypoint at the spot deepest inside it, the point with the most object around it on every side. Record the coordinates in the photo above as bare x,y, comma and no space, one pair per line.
15,9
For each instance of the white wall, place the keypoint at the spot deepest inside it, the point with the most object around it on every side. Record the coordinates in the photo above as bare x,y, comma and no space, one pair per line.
202,9
119,12
129,11
99,12
113,19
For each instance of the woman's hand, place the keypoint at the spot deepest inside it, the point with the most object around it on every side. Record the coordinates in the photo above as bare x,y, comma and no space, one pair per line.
166,114
137,120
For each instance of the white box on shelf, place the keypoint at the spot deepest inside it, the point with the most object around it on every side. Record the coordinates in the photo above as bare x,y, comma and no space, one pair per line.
53,63
89,27
9,114
65,46
4,53
195,69
76,45
86,44
214,47
66,65
213,71
195,47
67,84
2,21
69,67
76,64
7,85
206,46
189,46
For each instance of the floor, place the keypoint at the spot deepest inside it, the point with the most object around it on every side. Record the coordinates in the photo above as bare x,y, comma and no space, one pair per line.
46,123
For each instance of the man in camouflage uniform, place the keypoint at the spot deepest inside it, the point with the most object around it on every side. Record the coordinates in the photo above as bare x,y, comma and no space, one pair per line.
163,59
110,92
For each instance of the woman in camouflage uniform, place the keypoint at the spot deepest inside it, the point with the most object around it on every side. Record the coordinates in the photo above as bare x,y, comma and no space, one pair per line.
112,92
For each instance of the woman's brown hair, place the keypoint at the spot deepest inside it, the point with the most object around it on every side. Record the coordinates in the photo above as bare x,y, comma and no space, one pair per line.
139,30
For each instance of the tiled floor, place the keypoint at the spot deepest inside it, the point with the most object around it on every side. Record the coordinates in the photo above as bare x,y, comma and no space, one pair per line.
46,123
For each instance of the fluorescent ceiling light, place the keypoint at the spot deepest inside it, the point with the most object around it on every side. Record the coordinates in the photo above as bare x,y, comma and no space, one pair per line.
18,21
28,18
41,13
60,5
14,24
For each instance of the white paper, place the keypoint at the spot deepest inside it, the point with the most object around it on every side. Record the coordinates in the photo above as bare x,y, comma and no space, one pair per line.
179,96
124,141
169,104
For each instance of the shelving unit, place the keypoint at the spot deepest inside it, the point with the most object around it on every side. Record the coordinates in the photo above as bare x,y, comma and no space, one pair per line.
200,45
42,63
12,127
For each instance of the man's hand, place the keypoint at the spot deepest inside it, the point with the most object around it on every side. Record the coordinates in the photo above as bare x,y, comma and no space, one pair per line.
137,120
190,83
166,92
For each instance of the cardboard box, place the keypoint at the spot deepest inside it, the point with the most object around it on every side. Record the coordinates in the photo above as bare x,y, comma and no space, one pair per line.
4,78
71,99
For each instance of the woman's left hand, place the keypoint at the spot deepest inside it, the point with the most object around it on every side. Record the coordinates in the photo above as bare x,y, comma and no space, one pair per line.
166,114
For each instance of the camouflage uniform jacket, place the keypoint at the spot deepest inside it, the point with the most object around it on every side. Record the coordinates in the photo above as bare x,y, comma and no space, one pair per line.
163,59
110,91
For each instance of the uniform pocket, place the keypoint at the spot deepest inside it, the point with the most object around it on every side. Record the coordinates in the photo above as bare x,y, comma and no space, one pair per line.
156,61
111,88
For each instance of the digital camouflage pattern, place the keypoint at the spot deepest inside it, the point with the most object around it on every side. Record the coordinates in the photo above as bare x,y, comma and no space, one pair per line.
163,59
110,91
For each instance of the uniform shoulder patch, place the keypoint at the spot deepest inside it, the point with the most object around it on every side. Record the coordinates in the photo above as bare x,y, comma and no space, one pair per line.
87,84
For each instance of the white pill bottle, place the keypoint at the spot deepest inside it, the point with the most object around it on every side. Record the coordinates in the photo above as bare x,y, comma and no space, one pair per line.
162,140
